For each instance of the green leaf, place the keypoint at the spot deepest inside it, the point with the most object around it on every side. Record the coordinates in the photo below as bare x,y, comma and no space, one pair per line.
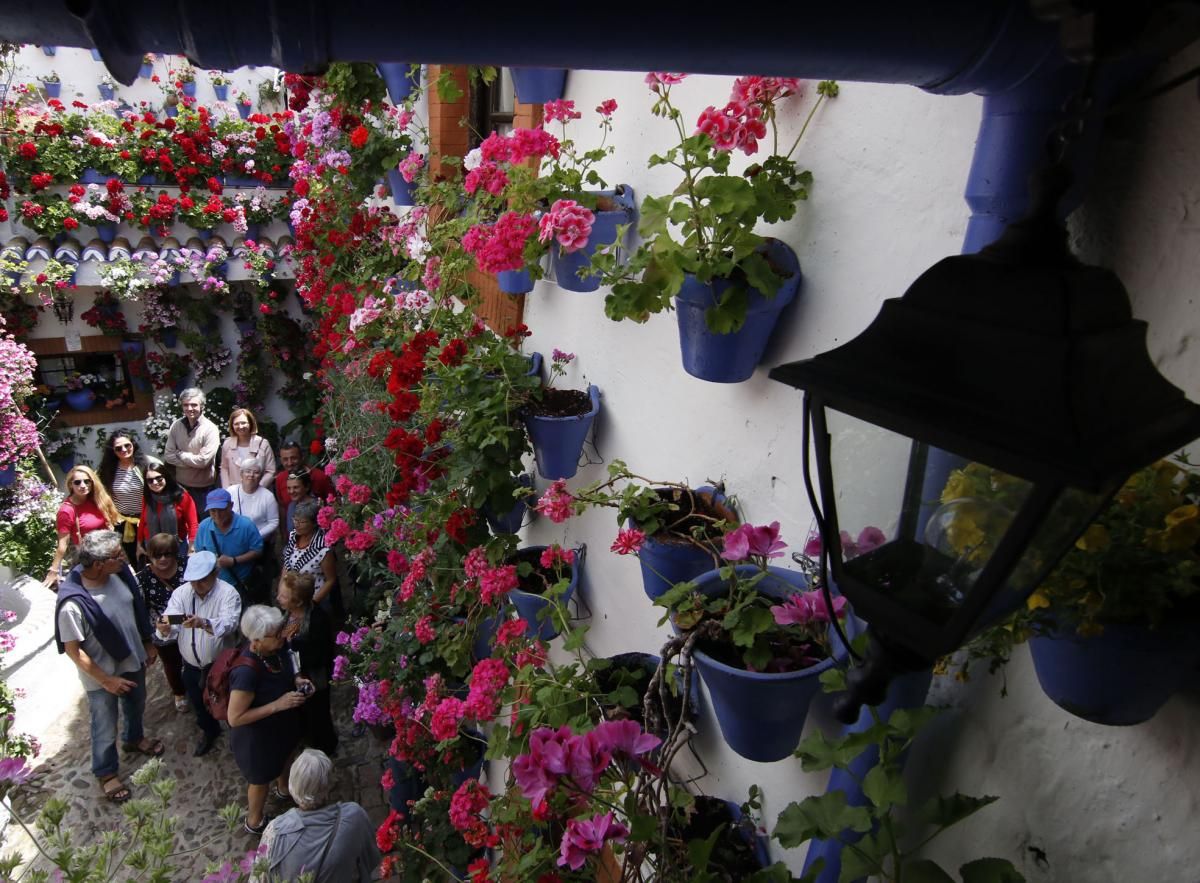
990,870
884,787
905,723
652,220
946,811
699,851
760,275
925,871
824,816
729,314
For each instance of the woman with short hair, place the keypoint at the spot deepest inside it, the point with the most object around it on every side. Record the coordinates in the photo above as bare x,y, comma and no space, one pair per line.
265,695
252,499
244,441
87,507
306,552
167,508
309,634
335,842
161,576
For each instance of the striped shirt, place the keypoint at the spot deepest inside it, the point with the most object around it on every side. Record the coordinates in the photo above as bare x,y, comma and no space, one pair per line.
127,489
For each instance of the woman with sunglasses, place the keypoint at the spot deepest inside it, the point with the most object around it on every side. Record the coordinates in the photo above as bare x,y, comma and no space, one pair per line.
87,507
167,508
122,472
157,580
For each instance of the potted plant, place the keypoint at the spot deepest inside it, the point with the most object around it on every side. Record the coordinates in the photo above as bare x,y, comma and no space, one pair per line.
106,314
547,577
401,79
147,67
1112,628
558,421
168,370
244,105
220,84
763,637
184,78
106,87
700,253
81,390
52,84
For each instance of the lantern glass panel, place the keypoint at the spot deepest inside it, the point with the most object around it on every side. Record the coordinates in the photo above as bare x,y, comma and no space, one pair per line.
917,523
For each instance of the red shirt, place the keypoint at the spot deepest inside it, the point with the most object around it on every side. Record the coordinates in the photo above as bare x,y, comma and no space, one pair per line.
321,486
185,519
79,521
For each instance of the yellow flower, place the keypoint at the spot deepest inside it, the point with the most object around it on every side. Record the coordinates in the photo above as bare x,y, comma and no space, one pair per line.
1094,539
1182,513
1037,600
957,485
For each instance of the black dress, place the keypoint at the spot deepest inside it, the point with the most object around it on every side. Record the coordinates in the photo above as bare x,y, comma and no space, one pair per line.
262,748
314,643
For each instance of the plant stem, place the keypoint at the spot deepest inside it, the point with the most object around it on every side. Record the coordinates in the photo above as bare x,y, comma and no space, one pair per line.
804,128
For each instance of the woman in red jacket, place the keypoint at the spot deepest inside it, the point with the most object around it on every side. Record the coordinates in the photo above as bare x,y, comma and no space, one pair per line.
166,508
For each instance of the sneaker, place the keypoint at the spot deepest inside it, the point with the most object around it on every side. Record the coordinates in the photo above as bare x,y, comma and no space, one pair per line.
181,704
256,830
205,745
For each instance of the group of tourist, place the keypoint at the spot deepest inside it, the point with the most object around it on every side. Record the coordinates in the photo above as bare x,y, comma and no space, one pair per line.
192,587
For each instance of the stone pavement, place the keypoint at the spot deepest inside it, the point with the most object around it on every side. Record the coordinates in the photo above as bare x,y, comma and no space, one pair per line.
55,710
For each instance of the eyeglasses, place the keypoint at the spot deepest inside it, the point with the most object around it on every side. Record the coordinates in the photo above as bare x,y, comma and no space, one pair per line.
120,556
155,479
122,447
80,482
158,555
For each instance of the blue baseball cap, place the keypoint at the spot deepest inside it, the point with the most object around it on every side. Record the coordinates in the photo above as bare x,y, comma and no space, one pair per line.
218,499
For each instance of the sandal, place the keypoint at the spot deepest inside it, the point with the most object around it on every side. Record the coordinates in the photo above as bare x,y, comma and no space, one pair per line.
114,789
148,746
281,796
258,829
181,703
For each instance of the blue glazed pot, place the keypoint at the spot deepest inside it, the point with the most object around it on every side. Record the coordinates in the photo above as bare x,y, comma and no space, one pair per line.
146,71
106,92
135,356
65,464
665,564
80,399
96,55
91,176
9,474
558,441
182,384
169,337
106,233
515,281
510,521
761,714
50,50
399,78
253,231
604,232
732,358
530,605
535,366
189,89
537,85
1121,677
401,189
474,769
222,93
53,90
172,110
243,110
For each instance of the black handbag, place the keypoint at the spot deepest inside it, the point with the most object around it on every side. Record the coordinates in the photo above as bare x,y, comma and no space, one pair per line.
255,588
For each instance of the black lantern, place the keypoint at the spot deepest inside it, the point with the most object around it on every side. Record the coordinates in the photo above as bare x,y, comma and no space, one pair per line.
981,421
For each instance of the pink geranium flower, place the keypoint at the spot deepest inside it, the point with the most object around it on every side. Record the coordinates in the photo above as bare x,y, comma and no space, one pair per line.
586,837
628,541
805,608
747,540
569,223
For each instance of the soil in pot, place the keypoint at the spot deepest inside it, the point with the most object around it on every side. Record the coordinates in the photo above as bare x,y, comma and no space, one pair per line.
787,654
560,403
539,580
733,858
696,511
630,675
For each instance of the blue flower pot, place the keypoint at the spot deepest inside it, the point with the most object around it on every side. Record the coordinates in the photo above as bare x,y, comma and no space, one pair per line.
1121,677
106,92
535,366
664,564
96,55
244,326
169,337
53,90
408,785
558,441
135,355
537,85
515,281
402,191
510,521
474,769
172,110
106,233
650,663
65,464
91,176
530,605
253,231
80,399
50,50
189,89
8,475
146,71
222,93
761,714
732,358
399,78
182,384
243,110
604,232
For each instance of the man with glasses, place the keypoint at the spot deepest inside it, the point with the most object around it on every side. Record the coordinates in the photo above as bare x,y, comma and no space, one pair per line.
101,624
210,608
192,445
291,457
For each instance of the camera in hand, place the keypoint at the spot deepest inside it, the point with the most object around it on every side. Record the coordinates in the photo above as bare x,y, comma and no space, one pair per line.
176,618
306,689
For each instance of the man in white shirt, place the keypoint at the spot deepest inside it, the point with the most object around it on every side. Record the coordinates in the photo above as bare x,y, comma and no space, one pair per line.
209,609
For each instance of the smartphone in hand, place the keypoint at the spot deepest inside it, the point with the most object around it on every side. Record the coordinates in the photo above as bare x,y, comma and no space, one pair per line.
176,618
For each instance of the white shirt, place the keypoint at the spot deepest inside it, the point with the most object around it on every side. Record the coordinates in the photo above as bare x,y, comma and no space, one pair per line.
221,606
260,507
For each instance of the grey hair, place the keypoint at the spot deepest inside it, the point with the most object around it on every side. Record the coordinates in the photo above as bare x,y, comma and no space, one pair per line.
311,779
260,620
250,463
306,509
98,545
193,392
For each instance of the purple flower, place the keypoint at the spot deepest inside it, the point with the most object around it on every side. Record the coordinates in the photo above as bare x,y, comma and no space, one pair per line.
13,771
749,540
622,737
585,837
559,356
804,608
538,771
869,539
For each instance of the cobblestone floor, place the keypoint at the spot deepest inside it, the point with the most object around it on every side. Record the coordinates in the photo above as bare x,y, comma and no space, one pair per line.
204,784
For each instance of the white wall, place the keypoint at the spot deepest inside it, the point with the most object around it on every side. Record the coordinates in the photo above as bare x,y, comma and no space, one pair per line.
890,164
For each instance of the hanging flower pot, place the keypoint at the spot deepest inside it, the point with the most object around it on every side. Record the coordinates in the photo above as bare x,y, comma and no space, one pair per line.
91,176
53,89
511,520
146,71
1120,677
182,383
616,207
674,556
761,714
189,89
135,361
732,358
245,326
8,475
635,670
221,92
252,231
531,599
515,281
537,85
408,785
243,109
106,92
168,337
172,110
50,50
65,463
106,233
80,399
400,78
558,440
402,191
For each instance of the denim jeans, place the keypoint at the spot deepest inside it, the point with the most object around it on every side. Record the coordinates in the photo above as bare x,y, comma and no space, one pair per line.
193,681
103,708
